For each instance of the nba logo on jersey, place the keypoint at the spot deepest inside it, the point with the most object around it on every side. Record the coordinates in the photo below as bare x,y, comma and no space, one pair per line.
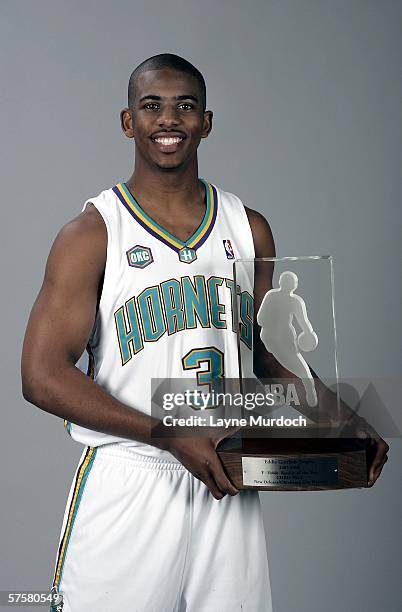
228,249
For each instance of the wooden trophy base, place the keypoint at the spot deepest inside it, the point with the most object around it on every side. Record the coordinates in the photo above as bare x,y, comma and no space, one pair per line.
300,462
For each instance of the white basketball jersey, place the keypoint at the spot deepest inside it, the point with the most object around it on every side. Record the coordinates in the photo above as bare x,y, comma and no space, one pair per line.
166,308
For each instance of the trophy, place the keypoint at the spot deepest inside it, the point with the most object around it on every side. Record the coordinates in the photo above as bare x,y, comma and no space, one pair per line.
296,436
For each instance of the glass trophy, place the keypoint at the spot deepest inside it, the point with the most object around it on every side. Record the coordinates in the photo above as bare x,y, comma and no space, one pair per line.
295,434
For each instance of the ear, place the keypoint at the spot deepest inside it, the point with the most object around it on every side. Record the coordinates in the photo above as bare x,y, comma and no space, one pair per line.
207,124
126,122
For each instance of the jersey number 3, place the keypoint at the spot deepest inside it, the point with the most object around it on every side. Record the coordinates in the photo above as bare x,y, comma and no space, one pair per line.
209,365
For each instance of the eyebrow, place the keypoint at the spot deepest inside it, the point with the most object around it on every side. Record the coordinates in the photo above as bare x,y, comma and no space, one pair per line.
153,97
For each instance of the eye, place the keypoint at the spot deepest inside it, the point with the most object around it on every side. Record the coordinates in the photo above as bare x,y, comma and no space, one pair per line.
151,106
188,106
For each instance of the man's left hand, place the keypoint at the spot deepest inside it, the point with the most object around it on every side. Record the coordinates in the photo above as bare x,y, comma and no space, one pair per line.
379,449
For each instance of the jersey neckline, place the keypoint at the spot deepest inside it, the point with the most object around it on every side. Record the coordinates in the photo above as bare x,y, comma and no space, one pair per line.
150,225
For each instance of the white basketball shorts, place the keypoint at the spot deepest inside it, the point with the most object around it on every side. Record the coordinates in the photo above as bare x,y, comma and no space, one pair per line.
141,534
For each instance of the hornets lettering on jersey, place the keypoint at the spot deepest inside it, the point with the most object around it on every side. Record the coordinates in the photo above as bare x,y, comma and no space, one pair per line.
177,305
167,306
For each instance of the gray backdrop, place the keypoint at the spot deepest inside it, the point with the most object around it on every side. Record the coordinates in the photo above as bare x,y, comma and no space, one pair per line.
307,98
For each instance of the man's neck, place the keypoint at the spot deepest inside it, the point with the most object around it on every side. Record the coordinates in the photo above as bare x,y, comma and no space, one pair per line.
175,190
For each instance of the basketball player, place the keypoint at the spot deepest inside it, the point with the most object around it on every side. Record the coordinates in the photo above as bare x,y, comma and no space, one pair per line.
142,279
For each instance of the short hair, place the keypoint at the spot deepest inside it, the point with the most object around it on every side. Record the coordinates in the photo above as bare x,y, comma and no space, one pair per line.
166,60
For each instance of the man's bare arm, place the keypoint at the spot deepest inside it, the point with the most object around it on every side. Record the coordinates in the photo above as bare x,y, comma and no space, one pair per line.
57,333
59,328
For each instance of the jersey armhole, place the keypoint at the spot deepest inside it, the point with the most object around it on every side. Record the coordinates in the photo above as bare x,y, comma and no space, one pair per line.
107,265
246,225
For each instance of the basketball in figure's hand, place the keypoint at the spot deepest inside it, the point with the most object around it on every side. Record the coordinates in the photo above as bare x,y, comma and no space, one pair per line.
307,341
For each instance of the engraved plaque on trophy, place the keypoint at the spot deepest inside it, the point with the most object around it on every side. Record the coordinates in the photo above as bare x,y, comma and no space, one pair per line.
296,437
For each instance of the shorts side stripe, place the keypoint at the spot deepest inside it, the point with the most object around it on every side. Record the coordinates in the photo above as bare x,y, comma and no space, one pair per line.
79,486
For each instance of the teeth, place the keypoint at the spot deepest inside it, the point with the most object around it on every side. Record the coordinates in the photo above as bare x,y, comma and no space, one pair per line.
168,141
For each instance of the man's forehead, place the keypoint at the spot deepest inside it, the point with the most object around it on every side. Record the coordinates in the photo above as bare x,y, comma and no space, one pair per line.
172,82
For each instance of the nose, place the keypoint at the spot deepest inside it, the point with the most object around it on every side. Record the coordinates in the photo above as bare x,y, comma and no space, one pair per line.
168,116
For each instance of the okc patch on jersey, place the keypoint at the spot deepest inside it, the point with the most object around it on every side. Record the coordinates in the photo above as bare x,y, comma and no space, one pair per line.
228,249
139,256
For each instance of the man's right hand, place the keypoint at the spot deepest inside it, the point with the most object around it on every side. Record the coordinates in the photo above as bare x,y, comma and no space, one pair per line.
200,458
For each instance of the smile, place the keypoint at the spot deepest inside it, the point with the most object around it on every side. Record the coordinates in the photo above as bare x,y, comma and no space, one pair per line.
168,144
168,141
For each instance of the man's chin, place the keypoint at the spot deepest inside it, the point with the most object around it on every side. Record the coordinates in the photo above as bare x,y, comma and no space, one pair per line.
169,164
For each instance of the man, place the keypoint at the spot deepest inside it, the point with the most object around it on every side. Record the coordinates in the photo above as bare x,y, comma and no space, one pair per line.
142,278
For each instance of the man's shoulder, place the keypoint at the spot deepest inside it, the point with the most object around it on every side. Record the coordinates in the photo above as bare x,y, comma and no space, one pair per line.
264,243
227,197
92,220
254,216
88,222
85,235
